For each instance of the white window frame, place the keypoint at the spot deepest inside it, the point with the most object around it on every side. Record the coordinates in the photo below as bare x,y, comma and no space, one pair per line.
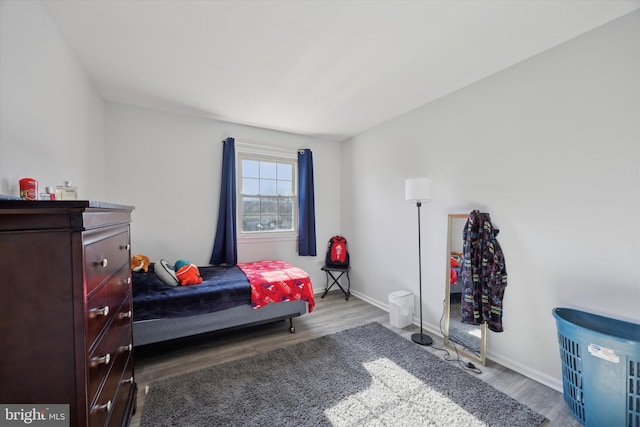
245,151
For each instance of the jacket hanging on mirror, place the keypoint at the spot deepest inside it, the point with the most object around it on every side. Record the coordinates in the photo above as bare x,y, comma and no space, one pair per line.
484,274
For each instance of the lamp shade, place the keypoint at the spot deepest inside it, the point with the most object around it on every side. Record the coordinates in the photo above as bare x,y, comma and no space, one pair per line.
418,189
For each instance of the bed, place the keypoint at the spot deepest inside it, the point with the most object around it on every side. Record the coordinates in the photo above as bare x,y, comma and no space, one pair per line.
229,297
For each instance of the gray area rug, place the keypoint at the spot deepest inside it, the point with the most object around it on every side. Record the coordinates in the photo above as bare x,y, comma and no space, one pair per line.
365,376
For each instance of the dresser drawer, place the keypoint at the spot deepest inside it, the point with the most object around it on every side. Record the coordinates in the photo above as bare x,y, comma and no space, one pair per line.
104,254
107,303
107,362
121,401
112,401
118,380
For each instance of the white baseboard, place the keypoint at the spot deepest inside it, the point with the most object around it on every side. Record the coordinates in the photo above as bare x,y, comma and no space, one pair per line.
534,374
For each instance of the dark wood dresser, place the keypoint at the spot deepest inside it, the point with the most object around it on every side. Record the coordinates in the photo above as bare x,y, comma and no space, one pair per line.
65,309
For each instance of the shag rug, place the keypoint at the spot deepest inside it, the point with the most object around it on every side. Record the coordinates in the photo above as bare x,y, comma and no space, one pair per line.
365,376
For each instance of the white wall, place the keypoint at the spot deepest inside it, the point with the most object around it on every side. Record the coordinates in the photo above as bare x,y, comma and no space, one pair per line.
51,118
551,148
168,166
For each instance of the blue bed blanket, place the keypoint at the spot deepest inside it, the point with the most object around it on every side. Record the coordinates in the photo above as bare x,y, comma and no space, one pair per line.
221,288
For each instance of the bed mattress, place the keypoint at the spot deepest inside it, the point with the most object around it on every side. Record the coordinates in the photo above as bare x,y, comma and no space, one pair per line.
222,287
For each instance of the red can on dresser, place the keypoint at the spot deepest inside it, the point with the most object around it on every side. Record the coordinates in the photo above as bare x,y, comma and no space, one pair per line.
28,189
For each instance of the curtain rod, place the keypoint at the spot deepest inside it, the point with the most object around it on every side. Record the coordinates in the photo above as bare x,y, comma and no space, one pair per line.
299,150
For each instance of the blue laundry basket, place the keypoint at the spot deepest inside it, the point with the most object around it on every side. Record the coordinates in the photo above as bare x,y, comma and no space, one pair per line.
600,368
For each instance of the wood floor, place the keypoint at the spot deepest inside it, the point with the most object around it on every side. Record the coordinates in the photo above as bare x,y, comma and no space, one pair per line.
332,314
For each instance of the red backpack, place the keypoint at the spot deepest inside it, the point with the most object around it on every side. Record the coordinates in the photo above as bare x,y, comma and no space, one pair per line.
337,252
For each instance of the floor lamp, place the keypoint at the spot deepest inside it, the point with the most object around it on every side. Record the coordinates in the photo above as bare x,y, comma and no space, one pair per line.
419,190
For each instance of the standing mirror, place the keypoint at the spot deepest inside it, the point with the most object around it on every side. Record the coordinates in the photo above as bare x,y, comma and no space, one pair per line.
469,340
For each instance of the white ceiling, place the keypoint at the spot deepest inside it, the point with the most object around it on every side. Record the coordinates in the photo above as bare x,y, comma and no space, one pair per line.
330,69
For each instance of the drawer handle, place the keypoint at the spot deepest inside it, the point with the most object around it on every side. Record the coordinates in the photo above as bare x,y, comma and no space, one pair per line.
104,360
106,407
125,315
128,381
126,247
97,312
126,348
102,263
125,281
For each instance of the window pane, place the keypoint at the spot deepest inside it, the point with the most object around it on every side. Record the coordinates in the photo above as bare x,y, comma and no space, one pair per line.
285,171
269,222
269,206
285,214
267,170
285,188
250,186
268,187
286,222
251,223
250,168
285,206
250,205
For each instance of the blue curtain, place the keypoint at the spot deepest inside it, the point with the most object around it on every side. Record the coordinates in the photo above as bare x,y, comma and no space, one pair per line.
306,205
225,247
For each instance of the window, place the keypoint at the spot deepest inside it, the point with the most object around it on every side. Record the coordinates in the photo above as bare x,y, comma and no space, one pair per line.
266,193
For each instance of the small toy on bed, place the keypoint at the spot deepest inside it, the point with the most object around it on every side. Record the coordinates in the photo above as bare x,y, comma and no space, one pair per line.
166,273
183,273
140,262
187,273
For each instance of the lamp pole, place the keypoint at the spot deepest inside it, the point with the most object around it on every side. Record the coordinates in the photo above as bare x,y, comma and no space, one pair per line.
420,338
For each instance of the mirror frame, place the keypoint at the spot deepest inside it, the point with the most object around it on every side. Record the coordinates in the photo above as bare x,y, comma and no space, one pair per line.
482,358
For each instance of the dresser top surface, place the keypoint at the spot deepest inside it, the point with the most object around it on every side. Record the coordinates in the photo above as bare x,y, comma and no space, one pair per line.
61,204
73,215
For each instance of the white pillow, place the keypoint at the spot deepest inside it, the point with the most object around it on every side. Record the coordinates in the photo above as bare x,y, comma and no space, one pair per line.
166,273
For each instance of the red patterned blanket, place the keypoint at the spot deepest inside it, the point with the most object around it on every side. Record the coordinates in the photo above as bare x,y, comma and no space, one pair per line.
275,281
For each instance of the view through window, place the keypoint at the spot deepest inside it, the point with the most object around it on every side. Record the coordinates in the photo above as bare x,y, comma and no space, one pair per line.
267,194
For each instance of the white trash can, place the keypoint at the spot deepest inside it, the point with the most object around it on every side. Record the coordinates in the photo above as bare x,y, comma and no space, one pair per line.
400,308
